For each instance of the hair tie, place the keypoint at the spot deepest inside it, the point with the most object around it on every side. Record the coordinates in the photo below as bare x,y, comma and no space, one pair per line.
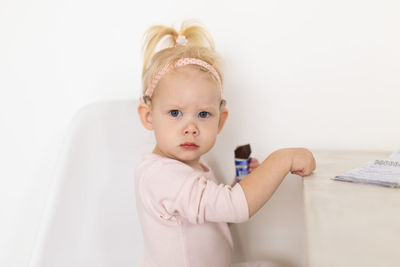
181,40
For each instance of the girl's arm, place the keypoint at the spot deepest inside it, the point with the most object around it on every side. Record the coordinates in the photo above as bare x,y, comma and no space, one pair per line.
261,183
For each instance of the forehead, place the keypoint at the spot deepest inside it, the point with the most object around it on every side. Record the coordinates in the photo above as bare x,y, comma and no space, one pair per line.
188,85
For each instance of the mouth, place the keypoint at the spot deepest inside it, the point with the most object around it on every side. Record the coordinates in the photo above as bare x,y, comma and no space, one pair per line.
189,146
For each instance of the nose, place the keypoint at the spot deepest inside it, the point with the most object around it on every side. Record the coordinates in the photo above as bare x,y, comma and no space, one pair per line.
191,129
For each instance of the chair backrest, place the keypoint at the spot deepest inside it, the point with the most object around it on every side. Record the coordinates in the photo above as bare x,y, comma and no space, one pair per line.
90,219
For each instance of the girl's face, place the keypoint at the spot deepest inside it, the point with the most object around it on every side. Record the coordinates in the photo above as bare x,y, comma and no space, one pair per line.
186,115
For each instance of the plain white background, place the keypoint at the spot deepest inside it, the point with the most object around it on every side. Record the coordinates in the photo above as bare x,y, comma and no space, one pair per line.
319,74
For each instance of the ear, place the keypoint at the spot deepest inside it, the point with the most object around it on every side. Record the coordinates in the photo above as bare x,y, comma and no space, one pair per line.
145,116
222,119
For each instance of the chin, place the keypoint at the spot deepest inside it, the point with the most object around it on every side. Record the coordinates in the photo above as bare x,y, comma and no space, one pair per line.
189,156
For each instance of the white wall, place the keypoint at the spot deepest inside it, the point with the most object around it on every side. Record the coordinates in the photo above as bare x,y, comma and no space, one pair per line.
320,74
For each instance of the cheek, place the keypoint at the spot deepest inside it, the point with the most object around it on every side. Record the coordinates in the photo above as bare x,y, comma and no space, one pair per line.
209,137
160,124
164,139
210,130
165,131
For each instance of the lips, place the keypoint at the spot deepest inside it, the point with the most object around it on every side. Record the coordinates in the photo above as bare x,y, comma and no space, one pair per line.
189,146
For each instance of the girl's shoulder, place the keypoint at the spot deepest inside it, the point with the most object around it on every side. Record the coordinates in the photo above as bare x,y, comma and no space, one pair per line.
154,163
155,159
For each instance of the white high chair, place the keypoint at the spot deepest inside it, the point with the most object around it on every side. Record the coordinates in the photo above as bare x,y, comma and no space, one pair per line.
91,220
91,216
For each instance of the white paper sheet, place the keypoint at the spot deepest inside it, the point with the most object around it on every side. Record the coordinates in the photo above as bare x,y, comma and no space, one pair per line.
384,172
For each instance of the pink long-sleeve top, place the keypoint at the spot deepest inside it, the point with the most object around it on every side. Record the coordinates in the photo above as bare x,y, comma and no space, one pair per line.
184,213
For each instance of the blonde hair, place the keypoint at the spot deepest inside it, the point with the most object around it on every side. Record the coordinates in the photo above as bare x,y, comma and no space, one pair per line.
199,45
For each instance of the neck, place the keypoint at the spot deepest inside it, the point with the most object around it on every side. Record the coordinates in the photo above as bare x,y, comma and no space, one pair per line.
195,164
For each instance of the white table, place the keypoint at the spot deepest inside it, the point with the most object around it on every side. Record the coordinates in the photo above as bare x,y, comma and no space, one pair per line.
350,224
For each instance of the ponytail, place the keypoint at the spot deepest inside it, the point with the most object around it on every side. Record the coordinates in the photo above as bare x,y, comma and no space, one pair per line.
160,48
153,36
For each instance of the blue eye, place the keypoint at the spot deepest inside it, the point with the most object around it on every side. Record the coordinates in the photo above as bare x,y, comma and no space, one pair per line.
175,113
204,114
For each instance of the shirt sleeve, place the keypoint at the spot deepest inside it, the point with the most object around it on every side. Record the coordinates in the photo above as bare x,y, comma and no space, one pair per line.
171,189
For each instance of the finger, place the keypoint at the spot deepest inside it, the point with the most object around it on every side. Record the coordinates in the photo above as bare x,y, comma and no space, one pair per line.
253,163
300,172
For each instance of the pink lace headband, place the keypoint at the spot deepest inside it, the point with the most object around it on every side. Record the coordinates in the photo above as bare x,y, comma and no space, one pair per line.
180,63
180,40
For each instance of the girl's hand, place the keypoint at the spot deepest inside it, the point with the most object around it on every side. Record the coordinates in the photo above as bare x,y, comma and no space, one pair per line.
303,162
253,164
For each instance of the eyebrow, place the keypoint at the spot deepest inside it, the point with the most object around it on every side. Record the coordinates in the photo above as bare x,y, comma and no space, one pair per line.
179,106
207,107
174,105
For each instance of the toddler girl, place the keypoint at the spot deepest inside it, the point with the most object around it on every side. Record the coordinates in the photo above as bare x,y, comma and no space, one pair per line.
184,211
